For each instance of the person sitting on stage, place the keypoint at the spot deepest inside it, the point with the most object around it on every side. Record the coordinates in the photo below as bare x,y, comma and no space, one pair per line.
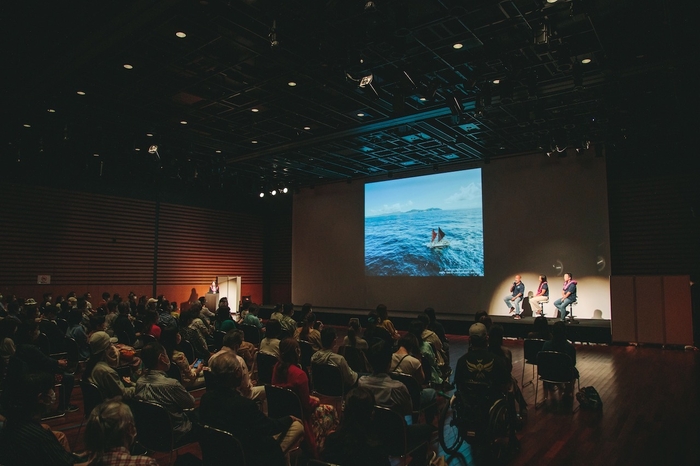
517,291
110,432
568,295
542,296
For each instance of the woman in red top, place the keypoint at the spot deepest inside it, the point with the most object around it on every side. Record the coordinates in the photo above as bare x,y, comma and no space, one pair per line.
319,419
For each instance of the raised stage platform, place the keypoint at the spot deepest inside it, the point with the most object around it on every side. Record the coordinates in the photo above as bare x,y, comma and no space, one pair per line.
585,331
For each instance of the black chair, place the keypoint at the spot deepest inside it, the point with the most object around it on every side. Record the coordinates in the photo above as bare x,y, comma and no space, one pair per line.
327,381
356,359
265,363
391,429
186,347
307,350
220,447
123,337
555,368
62,325
219,339
42,341
414,389
155,428
251,333
282,402
91,398
147,338
531,346
73,351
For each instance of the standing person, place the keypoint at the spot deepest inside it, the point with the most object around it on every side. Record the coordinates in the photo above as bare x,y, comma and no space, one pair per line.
517,291
542,296
568,295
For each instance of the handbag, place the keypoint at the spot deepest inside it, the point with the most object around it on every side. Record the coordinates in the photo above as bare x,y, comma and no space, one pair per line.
589,398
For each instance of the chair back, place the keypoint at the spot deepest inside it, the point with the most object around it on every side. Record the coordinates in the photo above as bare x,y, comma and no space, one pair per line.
123,337
265,362
153,425
307,350
327,380
390,430
251,333
147,338
174,372
73,350
531,347
412,385
282,402
219,339
220,447
42,341
356,358
62,325
186,347
91,396
555,367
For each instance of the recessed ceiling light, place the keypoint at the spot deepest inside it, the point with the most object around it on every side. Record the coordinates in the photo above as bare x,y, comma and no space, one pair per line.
422,99
95,155
586,61
80,92
183,122
150,135
218,151
291,84
457,46
128,66
180,34
360,114
262,194
253,141
254,110
496,81
27,125
51,110
551,1
137,149
307,127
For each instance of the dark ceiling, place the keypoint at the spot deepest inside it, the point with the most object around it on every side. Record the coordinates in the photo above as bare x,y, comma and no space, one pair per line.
428,105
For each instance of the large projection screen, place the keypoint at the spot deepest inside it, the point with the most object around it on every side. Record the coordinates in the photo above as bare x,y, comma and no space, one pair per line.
541,215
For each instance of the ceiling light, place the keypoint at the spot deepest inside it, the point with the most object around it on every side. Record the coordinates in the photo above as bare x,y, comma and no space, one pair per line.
218,151
273,192
153,149
80,92
150,135
291,84
551,1
586,61
285,190
360,114
262,194
307,127
422,99
457,46
183,122
137,149
51,110
366,80
496,81
128,66
254,110
253,141
95,155
180,34
27,125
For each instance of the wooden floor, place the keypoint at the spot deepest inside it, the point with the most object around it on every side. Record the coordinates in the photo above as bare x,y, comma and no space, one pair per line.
651,411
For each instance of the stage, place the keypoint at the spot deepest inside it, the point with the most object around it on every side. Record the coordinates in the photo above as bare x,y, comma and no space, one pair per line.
585,331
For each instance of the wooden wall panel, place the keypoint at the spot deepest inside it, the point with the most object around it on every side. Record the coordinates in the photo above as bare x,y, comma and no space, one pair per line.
623,316
678,311
650,309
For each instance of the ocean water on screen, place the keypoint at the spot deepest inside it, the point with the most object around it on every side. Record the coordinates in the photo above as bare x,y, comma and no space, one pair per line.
398,244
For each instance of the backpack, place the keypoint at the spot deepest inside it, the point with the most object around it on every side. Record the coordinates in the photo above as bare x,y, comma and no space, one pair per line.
589,398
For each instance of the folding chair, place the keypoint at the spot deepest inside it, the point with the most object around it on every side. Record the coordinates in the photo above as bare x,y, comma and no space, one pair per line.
554,367
220,447
531,347
91,398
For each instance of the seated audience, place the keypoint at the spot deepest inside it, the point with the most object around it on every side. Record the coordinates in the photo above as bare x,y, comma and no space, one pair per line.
434,341
405,360
165,316
77,332
327,356
416,328
320,419
496,347
251,318
223,321
49,327
150,324
232,344
287,322
24,440
100,368
154,385
271,343
540,329
308,333
353,336
110,432
560,344
437,327
189,333
190,377
374,332
385,323
265,441
354,444
123,325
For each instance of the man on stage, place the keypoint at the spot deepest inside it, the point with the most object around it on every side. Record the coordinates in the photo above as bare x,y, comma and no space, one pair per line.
568,295
513,300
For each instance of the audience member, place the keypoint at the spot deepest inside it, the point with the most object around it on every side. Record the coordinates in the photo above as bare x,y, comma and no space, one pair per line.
560,344
77,332
385,323
190,333
285,319
374,332
326,356
354,443
353,336
320,419
540,329
495,346
405,360
416,328
110,432
165,316
190,377
154,385
123,326
308,333
251,318
265,441
271,343
100,368
150,324
223,321
232,344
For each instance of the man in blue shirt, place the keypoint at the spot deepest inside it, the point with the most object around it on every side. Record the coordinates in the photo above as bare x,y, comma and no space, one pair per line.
513,300
568,295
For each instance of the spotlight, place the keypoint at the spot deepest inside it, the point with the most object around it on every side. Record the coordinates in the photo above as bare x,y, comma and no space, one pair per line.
366,80
273,35
285,190
154,150
262,194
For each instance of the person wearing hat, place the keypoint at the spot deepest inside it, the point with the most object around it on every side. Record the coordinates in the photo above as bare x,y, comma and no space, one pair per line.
100,367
